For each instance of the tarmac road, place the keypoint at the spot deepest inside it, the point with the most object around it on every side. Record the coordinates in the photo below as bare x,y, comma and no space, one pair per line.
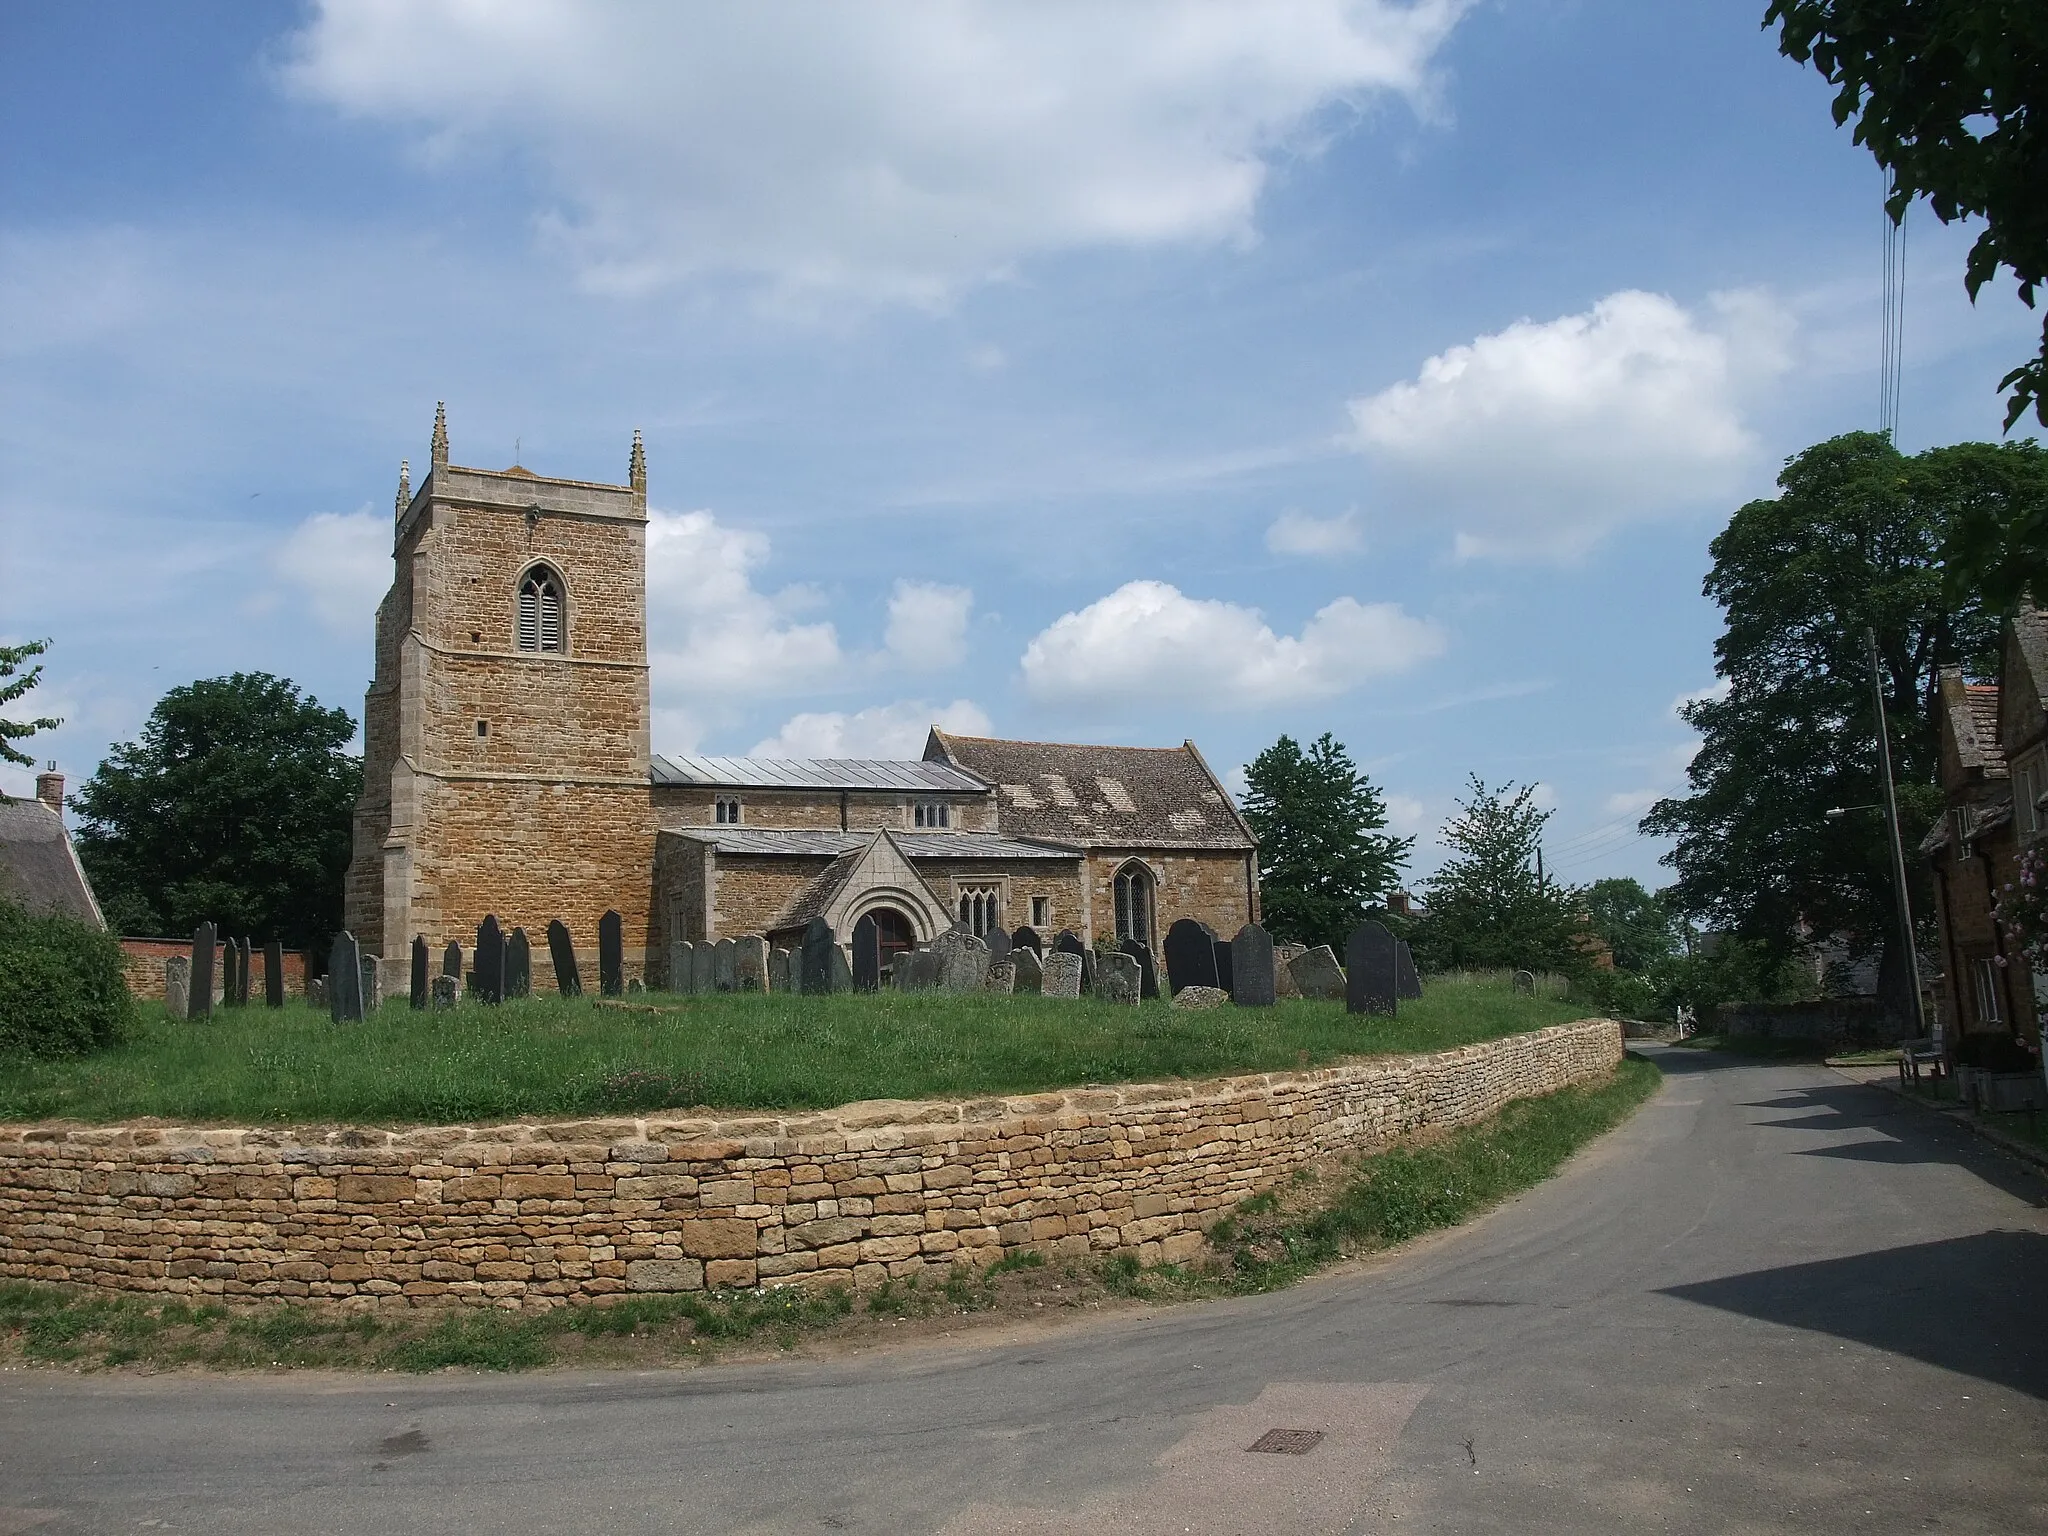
1777,1300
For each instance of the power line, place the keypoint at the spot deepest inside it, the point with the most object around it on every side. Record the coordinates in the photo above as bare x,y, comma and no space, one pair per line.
1892,345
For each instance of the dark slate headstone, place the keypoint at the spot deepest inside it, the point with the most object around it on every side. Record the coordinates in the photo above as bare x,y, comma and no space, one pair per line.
916,970
490,960
451,961
518,965
611,955
1370,960
562,951
273,974
867,954
1225,971
1190,955
345,980
1407,984
1148,968
243,956
814,964
998,947
1253,982
200,1005
1028,975
420,996
1069,942
230,961
1027,938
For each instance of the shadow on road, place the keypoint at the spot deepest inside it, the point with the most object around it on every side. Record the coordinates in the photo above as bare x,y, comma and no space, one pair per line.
1966,1304
1910,1135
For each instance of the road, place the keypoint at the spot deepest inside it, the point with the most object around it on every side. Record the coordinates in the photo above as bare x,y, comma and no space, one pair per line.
1775,1300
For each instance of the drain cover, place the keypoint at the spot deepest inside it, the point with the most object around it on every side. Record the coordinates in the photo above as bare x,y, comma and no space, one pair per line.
1287,1442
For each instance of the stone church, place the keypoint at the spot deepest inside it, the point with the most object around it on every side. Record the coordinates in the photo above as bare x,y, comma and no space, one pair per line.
508,769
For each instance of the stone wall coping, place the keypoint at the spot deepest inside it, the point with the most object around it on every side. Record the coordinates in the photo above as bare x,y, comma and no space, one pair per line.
866,1124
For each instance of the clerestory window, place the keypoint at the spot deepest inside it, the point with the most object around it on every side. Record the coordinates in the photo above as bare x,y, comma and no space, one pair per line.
931,813
540,612
728,812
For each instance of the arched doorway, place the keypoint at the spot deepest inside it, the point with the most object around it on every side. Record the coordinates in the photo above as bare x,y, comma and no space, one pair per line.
894,932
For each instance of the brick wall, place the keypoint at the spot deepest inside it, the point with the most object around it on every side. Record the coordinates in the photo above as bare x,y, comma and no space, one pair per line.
541,1214
142,964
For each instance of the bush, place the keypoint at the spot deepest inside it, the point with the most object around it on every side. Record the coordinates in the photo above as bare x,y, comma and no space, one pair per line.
62,992
1617,994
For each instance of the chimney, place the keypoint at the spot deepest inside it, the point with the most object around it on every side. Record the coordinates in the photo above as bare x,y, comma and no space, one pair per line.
50,789
1399,904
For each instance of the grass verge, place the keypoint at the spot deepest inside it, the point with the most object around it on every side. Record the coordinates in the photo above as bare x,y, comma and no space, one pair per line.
1347,1208
571,1058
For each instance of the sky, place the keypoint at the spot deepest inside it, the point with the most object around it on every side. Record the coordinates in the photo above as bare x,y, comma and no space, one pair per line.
1059,371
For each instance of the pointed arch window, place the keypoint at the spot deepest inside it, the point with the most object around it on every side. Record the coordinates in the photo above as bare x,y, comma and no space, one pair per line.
540,611
1134,902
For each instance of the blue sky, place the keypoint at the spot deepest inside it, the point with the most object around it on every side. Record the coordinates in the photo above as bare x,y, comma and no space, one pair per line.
1089,373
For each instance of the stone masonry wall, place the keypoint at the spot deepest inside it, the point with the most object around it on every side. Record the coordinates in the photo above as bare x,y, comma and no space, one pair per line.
543,1214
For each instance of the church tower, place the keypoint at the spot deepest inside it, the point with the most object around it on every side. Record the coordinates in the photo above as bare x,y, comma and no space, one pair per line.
505,737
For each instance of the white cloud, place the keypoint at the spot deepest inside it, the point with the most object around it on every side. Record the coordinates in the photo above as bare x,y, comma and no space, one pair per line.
1718,689
1407,816
1632,802
342,562
927,625
1542,438
1296,533
891,151
885,730
1147,641
711,633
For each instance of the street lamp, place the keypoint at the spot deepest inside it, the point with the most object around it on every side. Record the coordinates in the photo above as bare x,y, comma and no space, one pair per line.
1837,812
1891,816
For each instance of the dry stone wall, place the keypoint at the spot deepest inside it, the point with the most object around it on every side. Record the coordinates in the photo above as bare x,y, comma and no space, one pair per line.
538,1215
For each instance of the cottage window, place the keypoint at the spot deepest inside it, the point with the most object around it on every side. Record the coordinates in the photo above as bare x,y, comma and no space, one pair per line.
931,813
1988,1009
540,612
981,909
728,812
1134,903
2029,783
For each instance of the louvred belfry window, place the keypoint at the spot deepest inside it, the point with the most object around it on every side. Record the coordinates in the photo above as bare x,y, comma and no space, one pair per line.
540,613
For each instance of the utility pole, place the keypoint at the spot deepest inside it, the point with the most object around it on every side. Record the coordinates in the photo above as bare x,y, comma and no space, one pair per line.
1891,816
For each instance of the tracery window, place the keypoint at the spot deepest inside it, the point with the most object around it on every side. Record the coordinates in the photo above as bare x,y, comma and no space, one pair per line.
981,909
1134,903
540,612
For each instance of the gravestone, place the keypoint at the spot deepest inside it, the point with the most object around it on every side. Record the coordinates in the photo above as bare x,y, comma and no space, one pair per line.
917,970
178,986
704,968
445,991
998,947
230,959
1284,956
750,963
316,991
1028,973
1148,969
1525,983
345,980
1369,970
419,995
1407,984
867,954
1118,979
963,961
1317,975
1068,942
273,974
841,971
1062,974
814,961
1199,999
1224,977
1002,978
451,961
1028,938
611,955
1190,955
200,1004
780,977
635,987
518,965
1251,968
373,984
490,960
724,976
562,953
243,954
680,961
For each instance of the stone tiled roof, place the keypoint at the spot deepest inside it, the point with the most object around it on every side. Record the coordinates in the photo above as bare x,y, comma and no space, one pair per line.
1097,796
819,894
1972,720
38,868
2030,629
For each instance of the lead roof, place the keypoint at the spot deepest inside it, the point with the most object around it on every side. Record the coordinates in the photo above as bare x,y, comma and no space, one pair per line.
813,773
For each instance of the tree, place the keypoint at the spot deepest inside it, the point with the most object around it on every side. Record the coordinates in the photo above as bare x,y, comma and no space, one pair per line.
235,806
1634,923
1997,545
14,683
1487,907
1948,96
1324,860
1850,541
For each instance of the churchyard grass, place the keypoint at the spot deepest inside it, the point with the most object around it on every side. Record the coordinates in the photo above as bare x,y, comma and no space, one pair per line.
571,1058
1345,1208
